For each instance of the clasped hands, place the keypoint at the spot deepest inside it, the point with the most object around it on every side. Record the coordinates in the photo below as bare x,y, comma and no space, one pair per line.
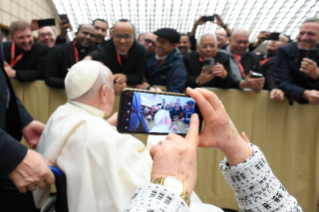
176,156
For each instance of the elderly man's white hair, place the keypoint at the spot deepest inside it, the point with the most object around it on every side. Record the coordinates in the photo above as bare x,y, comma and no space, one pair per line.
102,79
206,34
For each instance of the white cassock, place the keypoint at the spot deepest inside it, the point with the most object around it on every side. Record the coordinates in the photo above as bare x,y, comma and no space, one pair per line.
103,167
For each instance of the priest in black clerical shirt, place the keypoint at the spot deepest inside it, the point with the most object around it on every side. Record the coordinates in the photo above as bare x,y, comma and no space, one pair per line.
25,59
125,57
63,56
218,75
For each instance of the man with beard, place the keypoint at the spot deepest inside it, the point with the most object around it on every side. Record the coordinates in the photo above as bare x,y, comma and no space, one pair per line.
63,56
25,59
100,29
184,44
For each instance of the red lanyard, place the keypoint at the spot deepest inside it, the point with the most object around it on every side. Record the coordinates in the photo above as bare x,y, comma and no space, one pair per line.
237,57
262,62
159,63
201,59
76,52
119,57
13,60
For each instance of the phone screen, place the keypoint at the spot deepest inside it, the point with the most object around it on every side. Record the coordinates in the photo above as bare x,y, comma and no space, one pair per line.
155,113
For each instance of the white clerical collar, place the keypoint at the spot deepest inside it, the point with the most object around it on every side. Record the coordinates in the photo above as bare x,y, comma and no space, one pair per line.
160,58
93,110
121,53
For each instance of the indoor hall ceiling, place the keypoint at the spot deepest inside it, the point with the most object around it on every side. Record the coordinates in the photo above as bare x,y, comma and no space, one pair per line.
283,16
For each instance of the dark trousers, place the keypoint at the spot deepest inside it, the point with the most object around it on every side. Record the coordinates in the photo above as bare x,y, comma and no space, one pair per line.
11,200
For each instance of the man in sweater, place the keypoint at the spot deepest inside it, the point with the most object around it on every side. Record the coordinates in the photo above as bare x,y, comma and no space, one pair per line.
123,55
63,56
25,59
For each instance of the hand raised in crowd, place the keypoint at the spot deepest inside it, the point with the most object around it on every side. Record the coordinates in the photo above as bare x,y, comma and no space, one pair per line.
277,95
196,24
34,23
64,29
32,132
120,78
262,36
310,68
219,20
176,156
219,131
118,87
10,72
219,71
312,96
33,171
256,84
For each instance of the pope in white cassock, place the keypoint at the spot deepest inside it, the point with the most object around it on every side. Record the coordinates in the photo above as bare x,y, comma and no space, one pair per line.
103,167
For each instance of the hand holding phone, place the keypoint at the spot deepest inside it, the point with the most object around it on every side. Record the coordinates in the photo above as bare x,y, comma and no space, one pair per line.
132,119
273,36
208,18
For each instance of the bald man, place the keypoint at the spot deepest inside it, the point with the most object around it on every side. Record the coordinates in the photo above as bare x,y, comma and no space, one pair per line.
148,40
243,63
125,57
63,56
217,75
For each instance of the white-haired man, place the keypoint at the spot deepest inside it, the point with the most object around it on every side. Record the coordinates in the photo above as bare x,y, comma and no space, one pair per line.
217,75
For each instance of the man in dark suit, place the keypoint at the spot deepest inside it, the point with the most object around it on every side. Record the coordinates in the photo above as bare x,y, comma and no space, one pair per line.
25,59
267,62
217,75
63,56
300,82
243,63
123,55
18,165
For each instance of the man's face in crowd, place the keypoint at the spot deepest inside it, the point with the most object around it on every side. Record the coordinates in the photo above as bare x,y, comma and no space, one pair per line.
308,35
189,106
149,41
100,29
222,39
273,45
23,39
164,46
123,36
47,36
207,47
85,36
184,44
239,43
177,105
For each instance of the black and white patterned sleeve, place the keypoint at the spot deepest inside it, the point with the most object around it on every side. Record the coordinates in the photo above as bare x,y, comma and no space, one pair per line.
256,187
155,198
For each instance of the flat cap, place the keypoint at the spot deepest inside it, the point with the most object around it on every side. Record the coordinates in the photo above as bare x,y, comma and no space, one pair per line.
170,34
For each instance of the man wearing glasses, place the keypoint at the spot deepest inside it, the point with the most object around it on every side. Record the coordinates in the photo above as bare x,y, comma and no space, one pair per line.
217,75
149,42
124,56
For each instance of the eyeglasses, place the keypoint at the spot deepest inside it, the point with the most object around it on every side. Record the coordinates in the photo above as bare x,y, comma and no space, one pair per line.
148,41
119,37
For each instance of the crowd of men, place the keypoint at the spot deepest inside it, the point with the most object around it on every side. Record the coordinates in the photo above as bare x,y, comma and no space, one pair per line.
168,58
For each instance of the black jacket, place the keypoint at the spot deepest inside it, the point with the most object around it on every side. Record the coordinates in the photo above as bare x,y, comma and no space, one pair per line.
194,67
290,79
60,59
12,119
267,70
32,65
134,66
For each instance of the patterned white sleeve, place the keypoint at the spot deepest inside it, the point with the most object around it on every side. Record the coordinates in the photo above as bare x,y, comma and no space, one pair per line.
155,198
256,187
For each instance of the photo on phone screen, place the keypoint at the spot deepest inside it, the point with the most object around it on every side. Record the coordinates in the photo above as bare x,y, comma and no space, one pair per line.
155,113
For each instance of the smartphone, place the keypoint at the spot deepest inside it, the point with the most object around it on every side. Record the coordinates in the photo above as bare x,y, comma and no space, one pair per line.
139,112
273,36
46,22
256,75
208,18
208,63
307,53
64,17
